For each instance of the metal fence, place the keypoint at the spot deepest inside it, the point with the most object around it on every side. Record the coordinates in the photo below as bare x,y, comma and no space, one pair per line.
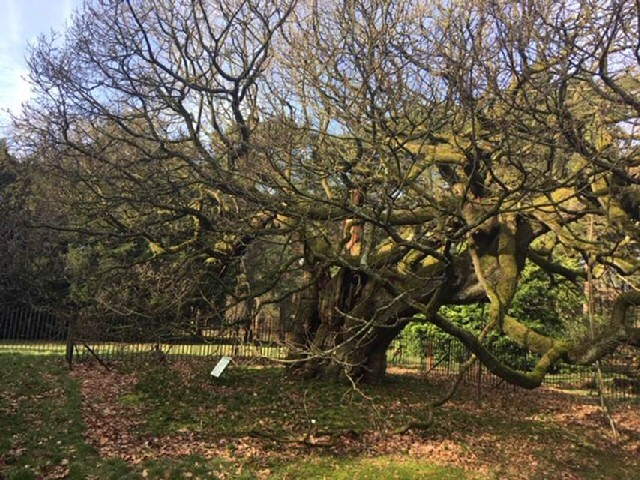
40,332
440,355
34,331
131,339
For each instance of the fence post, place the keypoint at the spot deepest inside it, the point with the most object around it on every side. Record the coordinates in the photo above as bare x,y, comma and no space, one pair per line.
70,342
479,387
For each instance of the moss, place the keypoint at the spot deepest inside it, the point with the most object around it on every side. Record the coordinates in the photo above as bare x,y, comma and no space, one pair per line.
526,337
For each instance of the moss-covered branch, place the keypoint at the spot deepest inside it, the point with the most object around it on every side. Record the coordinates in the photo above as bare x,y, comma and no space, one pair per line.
609,338
528,380
526,337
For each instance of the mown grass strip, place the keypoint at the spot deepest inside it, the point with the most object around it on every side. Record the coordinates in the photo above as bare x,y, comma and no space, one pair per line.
41,427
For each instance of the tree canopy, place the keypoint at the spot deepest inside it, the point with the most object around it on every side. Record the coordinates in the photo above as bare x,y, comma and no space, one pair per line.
389,157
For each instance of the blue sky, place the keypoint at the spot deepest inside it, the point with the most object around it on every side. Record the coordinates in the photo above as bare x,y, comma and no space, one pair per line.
21,21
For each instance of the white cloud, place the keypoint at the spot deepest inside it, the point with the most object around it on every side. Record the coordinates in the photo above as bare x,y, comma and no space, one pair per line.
14,88
14,20
68,9
22,22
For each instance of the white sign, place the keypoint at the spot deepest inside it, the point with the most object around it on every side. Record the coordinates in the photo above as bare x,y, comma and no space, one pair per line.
219,368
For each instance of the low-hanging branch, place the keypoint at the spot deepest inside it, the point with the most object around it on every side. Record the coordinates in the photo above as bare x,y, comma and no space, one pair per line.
555,268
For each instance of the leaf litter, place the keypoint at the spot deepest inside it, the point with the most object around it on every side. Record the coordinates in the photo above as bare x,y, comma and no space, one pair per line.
518,434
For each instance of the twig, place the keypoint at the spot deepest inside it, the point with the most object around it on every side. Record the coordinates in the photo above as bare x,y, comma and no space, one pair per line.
295,441
95,355
416,425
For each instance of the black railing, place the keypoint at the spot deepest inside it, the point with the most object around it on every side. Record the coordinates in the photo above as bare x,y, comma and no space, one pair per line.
440,355
32,331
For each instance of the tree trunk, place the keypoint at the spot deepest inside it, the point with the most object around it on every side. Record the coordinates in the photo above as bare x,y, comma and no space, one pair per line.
304,314
358,321
355,318
363,358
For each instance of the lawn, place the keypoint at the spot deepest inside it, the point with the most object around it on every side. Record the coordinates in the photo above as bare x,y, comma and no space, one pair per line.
115,351
175,421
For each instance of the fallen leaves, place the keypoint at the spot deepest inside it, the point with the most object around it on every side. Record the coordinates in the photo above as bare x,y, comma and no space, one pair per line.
508,430
114,428
111,425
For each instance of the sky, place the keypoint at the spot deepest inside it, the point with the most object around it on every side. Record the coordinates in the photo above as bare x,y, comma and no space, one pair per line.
21,22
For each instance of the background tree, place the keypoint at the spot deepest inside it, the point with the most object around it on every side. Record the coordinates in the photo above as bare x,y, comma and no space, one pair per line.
33,260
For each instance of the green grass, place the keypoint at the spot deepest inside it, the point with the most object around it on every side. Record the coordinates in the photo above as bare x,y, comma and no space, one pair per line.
555,448
33,348
42,432
572,379
41,427
369,468
263,400
40,420
119,351
278,405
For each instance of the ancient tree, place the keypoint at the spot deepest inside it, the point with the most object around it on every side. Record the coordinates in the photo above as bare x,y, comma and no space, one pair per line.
391,157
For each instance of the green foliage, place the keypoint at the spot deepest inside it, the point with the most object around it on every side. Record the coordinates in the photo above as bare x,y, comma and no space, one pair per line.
543,303
138,297
8,174
32,270
10,224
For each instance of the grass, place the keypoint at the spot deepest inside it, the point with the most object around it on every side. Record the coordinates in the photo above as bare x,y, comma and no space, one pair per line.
42,433
249,400
385,467
118,351
278,405
44,348
573,379
252,422
41,430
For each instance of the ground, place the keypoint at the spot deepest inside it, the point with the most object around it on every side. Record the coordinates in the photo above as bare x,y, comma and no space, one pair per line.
175,421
